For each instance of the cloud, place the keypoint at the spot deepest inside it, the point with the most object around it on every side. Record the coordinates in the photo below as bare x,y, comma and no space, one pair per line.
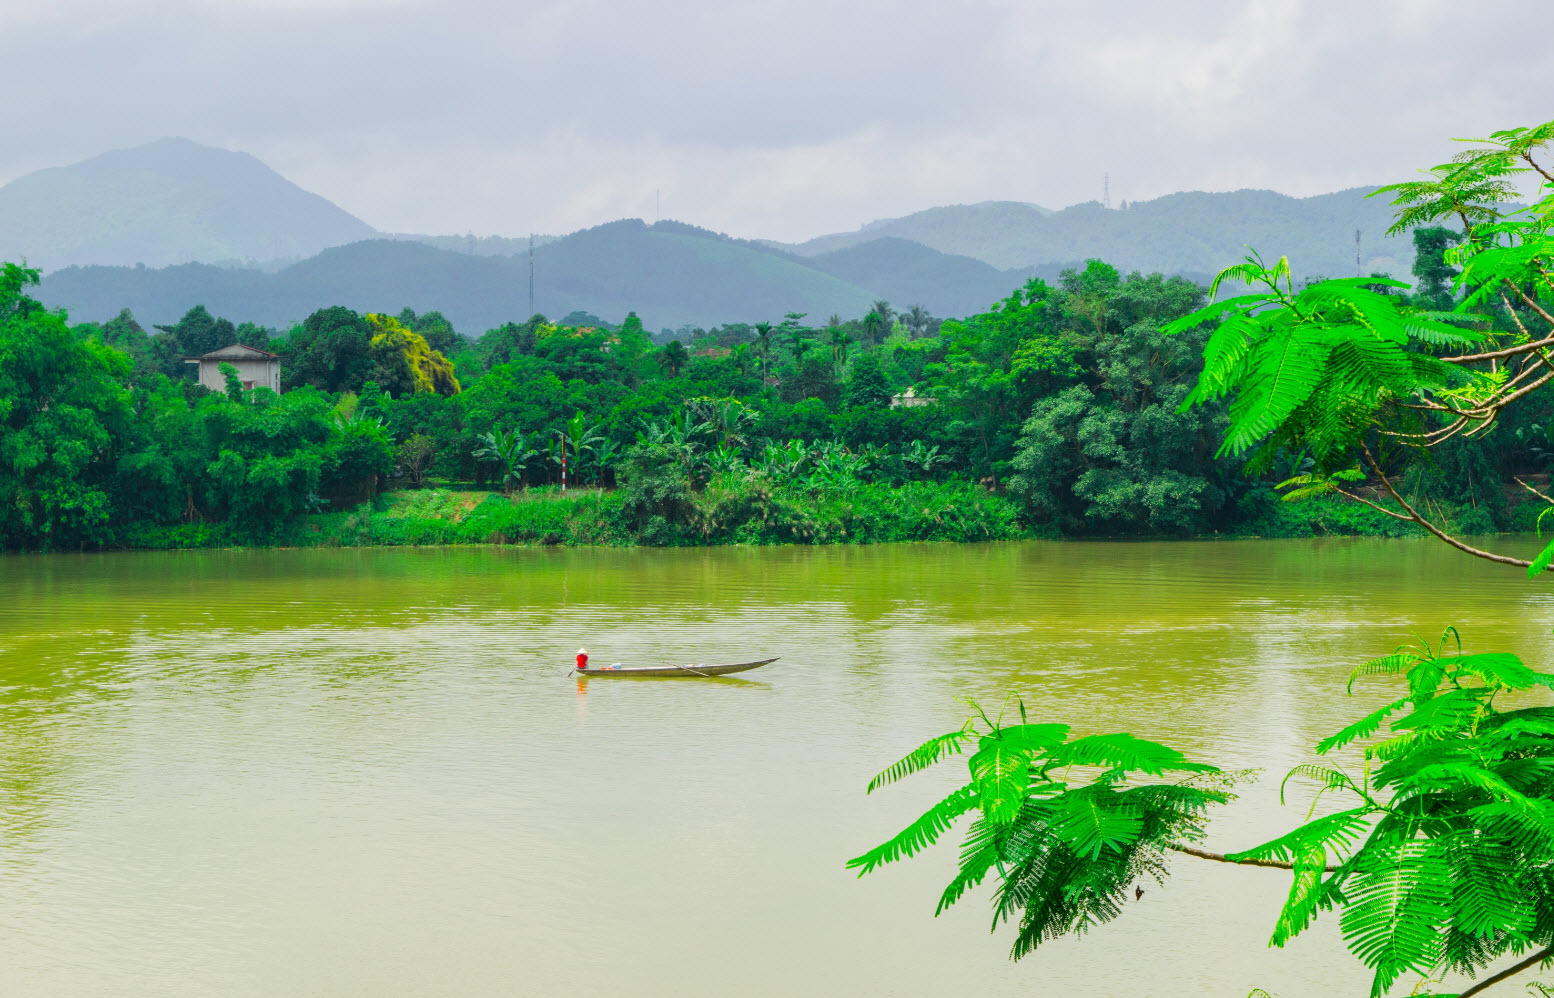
777,118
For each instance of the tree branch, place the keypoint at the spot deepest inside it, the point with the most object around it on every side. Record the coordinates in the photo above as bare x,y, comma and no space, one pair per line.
1534,164
1497,354
1376,506
1437,531
1220,857
1515,968
1534,491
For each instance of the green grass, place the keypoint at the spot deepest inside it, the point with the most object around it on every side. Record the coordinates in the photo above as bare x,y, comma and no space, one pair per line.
750,510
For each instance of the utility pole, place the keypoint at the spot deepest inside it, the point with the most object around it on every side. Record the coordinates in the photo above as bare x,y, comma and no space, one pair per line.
1106,187
531,275
1357,270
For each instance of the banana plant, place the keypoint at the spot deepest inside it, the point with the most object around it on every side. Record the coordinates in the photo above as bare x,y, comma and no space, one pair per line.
576,438
781,462
510,450
923,457
725,459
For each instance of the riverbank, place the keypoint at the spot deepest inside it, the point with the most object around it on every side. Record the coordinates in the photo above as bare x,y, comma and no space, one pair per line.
742,513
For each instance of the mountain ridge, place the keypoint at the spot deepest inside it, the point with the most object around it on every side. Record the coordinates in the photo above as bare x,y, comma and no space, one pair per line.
166,202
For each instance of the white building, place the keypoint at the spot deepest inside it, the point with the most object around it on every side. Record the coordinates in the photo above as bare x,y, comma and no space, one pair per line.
255,368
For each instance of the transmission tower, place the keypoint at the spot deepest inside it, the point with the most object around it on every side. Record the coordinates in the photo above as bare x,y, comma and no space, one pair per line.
531,275
1358,272
1106,189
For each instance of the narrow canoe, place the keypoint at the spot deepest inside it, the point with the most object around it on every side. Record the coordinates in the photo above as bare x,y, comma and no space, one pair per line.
692,671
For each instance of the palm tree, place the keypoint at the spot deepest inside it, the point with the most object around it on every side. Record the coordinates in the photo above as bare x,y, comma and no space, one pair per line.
841,342
763,344
873,327
916,319
886,313
797,343
673,358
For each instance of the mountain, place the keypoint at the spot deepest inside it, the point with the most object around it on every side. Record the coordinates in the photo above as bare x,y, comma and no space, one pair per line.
1190,232
668,273
974,230
168,202
906,273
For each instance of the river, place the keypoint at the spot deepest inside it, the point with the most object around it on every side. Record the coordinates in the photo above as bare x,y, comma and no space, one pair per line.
366,772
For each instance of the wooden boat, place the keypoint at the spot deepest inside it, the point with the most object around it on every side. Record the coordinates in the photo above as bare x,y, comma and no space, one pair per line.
678,671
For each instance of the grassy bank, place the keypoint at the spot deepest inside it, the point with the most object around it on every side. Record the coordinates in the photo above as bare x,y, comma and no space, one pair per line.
747,512
723,513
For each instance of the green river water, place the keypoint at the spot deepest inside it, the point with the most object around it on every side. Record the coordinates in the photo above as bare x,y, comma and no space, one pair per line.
366,772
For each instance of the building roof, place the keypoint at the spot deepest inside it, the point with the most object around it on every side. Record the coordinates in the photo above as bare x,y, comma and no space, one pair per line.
236,351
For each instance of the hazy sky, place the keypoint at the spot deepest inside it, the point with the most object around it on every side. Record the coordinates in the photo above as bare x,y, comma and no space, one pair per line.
780,118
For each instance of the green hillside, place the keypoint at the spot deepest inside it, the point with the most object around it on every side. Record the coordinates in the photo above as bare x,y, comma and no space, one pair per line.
171,201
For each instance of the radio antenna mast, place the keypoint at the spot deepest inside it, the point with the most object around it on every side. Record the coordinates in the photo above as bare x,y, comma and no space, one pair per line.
531,275
1106,188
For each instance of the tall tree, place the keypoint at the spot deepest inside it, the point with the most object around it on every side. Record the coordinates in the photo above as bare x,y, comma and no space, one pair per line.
1435,288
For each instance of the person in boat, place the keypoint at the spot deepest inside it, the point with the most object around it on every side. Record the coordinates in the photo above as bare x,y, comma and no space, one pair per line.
582,662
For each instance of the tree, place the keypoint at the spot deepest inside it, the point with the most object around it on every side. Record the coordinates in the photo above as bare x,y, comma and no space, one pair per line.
1443,859
841,345
874,327
672,358
916,319
63,412
1436,276
866,384
435,329
404,363
331,350
887,315
763,344
416,455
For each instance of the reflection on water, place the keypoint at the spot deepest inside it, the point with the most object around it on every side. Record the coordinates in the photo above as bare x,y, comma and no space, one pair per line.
368,772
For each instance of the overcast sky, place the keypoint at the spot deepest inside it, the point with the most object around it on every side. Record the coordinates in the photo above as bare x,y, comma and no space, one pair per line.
777,118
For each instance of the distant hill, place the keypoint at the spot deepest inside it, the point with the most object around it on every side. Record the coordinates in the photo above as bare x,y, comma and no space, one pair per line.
906,273
974,230
1180,233
172,201
177,207
669,276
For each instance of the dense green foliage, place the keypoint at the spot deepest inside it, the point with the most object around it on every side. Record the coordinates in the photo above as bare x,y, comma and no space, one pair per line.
1444,859
1072,405
1063,399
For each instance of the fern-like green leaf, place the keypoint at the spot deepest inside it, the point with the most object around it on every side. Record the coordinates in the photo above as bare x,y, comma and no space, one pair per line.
920,834
979,855
1335,833
1001,773
1397,903
922,757
1123,751
1363,728
1094,819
